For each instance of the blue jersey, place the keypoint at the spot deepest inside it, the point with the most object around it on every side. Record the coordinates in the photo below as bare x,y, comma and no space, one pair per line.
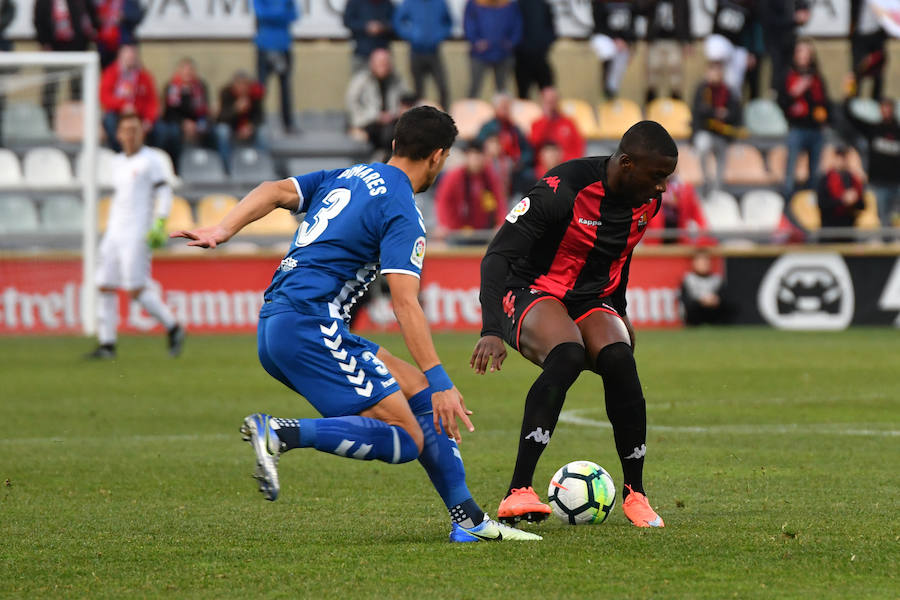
358,220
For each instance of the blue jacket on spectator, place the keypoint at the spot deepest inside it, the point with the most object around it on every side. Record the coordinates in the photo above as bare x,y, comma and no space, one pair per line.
273,23
359,12
498,23
423,23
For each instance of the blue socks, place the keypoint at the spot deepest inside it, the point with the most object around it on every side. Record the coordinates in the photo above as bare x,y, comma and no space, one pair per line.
442,461
356,437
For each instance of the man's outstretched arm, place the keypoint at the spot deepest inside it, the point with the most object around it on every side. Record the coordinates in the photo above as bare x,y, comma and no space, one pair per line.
262,200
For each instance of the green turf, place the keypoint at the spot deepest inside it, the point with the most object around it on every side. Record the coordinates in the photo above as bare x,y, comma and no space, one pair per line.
771,459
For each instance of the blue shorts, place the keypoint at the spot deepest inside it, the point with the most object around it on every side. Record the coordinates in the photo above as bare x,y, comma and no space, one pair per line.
318,357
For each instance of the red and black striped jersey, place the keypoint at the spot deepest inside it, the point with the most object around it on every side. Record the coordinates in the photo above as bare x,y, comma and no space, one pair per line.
570,237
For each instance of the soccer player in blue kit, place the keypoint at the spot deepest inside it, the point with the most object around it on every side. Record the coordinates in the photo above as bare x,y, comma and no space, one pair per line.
359,220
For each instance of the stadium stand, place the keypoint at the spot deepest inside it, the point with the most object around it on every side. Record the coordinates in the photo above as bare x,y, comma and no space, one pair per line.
25,122
525,113
868,218
616,116
777,163
104,167
470,114
805,209
865,109
688,169
673,114
212,208
761,210
303,164
18,215
180,215
61,214
47,167
763,119
10,170
582,113
250,166
201,166
169,168
103,213
277,223
722,212
68,122
744,166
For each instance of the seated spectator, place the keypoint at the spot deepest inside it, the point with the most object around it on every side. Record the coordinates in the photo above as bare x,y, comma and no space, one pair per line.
716,114
371,25
611,41
240,115
680,210
469,196
118,20
806,111
555,128
425,24
373,101
127,87
494,29
508,148
703,294
883,158
185,110
840,195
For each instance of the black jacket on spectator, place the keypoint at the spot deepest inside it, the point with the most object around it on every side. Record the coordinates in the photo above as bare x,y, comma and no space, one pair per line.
83,18
615,19
7,14
538,31
884,147
668,20
833,210
809,109
359,12
707,99
229,114
733,20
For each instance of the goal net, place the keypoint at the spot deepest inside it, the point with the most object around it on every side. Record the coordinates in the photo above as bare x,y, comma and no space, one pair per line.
49,136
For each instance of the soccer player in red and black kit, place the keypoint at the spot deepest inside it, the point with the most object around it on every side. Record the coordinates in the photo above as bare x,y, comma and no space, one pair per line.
553,287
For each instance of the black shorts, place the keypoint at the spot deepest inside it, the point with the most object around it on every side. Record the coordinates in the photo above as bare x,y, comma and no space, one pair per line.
518,301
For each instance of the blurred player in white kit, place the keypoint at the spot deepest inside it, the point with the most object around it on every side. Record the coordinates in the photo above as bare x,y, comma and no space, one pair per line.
135,226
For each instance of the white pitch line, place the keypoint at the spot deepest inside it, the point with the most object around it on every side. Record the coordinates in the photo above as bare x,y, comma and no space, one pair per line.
574,417
140,439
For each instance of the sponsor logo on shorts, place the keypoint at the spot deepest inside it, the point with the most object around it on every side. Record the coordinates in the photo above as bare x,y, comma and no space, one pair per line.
519,209
418,252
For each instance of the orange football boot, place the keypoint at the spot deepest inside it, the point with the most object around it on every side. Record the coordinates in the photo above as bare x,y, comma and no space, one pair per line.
522,503
637,509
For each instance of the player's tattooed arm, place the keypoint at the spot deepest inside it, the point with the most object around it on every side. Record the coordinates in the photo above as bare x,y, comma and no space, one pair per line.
262,200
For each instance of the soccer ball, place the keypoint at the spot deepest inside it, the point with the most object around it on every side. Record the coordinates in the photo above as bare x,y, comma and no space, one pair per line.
582,492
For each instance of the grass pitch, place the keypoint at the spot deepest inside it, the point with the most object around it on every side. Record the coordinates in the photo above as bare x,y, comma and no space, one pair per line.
773,458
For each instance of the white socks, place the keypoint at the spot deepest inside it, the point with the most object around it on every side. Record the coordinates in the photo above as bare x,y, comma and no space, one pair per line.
153,303
107,317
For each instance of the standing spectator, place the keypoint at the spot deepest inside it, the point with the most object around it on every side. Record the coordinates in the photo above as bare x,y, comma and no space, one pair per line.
538,35
7,14
780,20
273,49
185,110
680,210
613,35
668,43
507,146
884,158
717,114
469,196
555,128
806,112
240,115
63,26
425,24
732,24
867,44
840,196
118,19
371,24
703,294
373,101
127,87
494,29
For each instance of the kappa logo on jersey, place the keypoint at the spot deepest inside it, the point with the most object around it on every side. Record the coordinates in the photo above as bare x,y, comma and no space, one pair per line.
642,222
519,209
553,182
288,264
418,252
540,436
509,304
590,222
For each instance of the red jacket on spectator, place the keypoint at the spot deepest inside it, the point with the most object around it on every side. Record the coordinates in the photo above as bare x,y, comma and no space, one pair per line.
470,201
135,88
680,208
560,130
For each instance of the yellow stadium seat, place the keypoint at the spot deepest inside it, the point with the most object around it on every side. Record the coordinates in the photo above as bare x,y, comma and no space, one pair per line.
868,218
278,222
103,213
674,115
583,114
805,208
470,114
616,116
688,169
180,216
524,113
212,208
744,165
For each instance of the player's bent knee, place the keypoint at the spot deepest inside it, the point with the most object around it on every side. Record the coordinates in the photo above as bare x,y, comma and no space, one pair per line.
408,444
566,360
616,358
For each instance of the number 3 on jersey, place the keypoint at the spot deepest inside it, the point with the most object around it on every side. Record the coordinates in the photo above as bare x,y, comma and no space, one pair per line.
332,205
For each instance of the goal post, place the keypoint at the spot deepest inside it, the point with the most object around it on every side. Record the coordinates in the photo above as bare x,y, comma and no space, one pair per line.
87,66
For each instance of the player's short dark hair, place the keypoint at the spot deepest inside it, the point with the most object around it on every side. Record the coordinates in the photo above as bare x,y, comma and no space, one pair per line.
422,130
646,138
